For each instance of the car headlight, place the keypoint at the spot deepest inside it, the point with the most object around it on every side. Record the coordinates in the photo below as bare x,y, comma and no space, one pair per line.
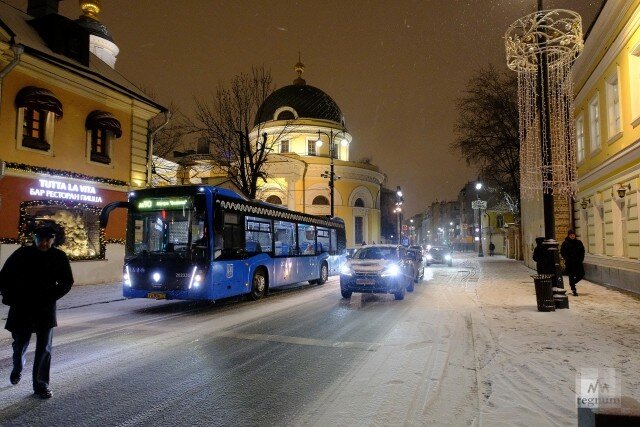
447,257
392,270
346,270
429,257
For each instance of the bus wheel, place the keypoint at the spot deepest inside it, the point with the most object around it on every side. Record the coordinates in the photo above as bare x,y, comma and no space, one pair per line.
258,285
324,274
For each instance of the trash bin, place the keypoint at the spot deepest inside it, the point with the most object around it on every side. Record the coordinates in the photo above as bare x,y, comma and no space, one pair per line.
544,292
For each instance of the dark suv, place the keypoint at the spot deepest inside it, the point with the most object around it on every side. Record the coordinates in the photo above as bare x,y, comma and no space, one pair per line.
439,255
378,269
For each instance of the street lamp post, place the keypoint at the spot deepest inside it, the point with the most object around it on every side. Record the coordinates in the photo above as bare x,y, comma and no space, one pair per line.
398,211
332,155
479,204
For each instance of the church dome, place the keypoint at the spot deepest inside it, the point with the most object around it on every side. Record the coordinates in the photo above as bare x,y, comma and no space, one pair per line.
299,101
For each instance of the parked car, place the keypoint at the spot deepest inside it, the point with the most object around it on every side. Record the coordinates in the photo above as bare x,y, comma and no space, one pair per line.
378,269
418,266
439,255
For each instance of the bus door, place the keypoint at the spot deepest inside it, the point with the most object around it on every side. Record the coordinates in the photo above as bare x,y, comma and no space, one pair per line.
308,268
229,268
285,249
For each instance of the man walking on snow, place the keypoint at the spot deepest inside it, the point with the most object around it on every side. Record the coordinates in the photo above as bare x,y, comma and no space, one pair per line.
572,251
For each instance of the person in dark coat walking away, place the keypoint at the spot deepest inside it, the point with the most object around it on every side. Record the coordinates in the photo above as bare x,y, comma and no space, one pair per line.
572,251
538,254
31,281
492,248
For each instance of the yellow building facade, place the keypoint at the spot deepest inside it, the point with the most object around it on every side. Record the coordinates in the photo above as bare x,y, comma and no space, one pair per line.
607,119
74,136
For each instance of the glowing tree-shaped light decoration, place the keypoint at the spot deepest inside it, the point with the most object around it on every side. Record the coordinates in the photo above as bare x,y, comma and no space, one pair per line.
541,47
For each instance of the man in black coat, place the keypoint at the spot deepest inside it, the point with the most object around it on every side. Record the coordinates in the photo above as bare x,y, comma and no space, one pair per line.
538,255
31,281
572,251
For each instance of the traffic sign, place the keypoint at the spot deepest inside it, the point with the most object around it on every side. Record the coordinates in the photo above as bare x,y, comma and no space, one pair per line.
479,204
404,227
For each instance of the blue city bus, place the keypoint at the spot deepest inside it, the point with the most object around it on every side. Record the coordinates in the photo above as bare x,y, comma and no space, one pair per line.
208,243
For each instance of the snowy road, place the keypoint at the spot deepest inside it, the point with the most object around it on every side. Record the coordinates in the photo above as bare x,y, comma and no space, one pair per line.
467,347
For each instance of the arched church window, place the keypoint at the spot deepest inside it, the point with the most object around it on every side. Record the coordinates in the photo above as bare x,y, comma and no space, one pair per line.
359,203
274,200
320,200
286,115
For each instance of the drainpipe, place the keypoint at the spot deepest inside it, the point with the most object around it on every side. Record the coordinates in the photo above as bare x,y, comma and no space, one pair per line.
304,187
167,117
17,52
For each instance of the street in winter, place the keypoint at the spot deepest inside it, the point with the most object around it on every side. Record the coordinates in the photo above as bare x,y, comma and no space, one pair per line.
467,347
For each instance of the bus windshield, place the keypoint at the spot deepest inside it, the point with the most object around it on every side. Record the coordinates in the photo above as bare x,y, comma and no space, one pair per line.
167,225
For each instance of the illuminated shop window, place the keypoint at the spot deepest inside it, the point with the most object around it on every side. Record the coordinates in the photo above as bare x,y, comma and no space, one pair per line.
79,224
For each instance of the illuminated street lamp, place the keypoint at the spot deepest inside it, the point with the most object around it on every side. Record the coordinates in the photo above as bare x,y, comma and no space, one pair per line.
398,211
332,155
479,204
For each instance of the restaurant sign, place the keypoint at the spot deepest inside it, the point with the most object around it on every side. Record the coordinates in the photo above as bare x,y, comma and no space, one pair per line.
60,190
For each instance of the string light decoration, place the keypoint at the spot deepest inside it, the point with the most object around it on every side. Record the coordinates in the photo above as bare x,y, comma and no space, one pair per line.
63,173
25,231
555,37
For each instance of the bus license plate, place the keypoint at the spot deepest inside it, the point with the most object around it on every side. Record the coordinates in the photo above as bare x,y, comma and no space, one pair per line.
157,295
364,282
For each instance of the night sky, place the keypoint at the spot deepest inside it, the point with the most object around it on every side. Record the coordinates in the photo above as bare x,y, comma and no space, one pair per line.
395,67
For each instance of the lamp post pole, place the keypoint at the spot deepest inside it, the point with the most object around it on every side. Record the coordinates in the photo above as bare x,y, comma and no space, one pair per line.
332,155
478,188
398,211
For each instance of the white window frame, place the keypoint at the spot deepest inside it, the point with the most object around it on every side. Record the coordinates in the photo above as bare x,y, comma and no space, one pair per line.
48,132
595,138
288,143
312,143
614,110
580,139
634,83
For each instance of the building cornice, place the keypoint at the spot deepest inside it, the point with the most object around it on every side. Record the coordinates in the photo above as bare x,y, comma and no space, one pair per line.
619,161
585,71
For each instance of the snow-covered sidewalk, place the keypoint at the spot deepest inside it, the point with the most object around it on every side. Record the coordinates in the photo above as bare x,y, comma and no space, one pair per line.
528,360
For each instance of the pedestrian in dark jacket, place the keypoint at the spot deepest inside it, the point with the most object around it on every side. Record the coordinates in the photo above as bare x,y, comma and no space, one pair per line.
572,251
31,281
538,254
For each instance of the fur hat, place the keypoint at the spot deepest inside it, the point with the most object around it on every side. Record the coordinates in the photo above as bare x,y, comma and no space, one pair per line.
570,232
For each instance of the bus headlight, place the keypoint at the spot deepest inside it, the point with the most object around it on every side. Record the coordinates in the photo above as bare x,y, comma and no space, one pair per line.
392,270
126,277
196,278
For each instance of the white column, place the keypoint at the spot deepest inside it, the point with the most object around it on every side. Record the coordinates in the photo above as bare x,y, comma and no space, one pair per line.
598,221
616,216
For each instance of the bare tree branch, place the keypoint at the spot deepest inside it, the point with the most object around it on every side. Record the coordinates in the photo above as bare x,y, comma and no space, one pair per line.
487,130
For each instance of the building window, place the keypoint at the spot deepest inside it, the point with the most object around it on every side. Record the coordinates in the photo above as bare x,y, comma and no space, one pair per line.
499,221
286,115
284,146
580,139
359,203
34,125
634,80
336,150
613,106
274,200
36,110
311,147
594,120
320,200
102,127
359,230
